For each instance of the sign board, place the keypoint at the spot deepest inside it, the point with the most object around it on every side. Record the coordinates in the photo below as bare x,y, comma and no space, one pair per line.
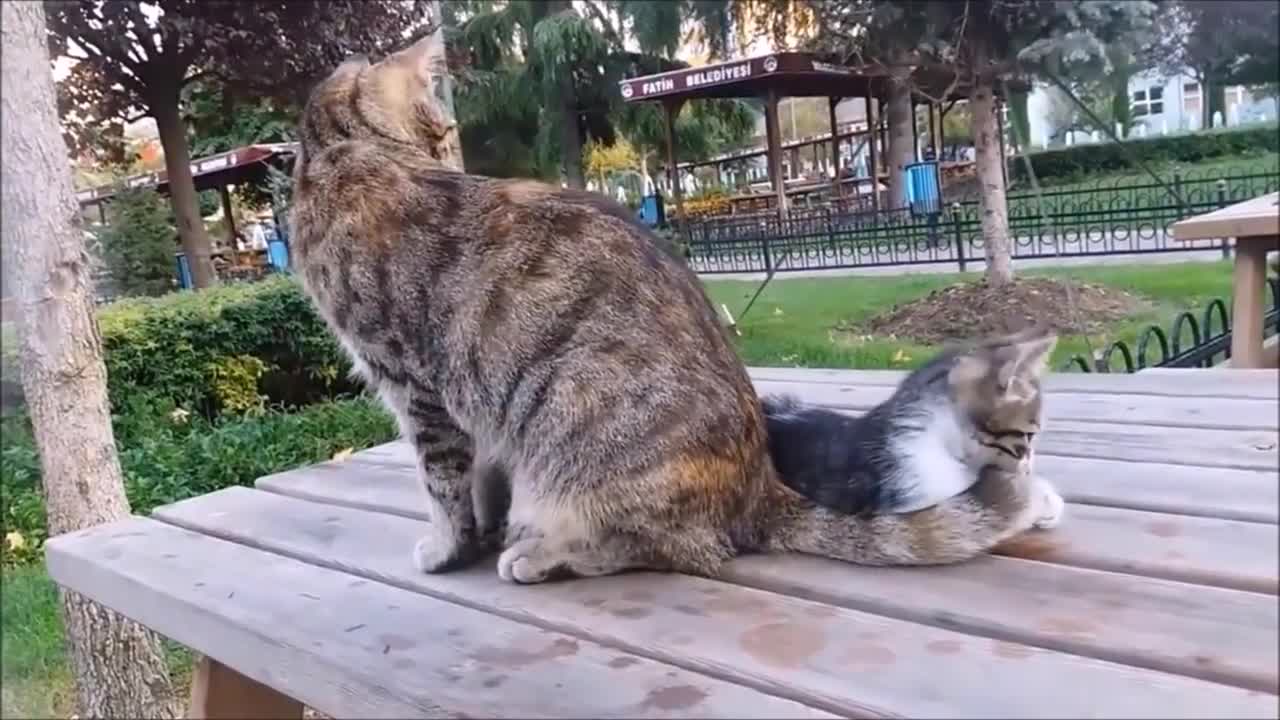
676,82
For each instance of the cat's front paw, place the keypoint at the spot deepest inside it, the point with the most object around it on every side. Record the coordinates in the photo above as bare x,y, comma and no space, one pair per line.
438,552
1052,506
527,561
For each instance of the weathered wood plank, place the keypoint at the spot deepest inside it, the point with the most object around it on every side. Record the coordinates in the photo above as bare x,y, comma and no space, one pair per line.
1226,636
349,647
1211,551
1226,493
1206,551
1202,412
839,657
1247,384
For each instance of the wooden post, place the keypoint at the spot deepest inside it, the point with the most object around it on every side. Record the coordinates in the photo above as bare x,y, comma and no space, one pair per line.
672,108
1004,157
231,224
873,142
915,132
774,145
934,124
220,693
832,102
1247,305
102,212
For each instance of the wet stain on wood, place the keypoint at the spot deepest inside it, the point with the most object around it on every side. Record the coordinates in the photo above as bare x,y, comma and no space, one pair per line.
1164,529
631,613
944,647
494,681
1010,651
675,697
516,658
623,661
785,645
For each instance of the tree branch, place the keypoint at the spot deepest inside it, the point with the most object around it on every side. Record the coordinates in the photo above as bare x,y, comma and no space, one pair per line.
603,20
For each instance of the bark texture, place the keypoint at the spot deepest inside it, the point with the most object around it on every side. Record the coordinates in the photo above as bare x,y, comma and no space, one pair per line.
989,167
119,666
182,187
901,151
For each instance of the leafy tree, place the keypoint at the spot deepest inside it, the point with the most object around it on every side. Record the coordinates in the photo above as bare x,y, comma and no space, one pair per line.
539,80
1220,43
134,59
138,243
982,46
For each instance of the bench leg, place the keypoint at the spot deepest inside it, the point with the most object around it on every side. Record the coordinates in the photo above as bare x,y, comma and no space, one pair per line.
220,693
1246,311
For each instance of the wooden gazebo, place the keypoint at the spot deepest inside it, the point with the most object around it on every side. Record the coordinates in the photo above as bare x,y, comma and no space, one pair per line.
778,75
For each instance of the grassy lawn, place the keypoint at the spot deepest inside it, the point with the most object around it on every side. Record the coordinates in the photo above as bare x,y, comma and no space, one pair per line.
1261,162
35,680
794,321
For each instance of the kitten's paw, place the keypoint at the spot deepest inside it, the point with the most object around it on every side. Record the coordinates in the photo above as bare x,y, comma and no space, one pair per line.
527,562
1052,507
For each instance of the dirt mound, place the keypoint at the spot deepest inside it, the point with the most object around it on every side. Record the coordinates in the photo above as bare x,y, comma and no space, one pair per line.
972,310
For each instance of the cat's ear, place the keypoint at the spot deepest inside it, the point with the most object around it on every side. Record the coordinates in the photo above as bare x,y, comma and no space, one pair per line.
353,64
1026,359
425,57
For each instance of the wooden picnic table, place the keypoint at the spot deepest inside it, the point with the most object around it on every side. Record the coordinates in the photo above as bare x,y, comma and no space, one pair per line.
1156,597
1255,225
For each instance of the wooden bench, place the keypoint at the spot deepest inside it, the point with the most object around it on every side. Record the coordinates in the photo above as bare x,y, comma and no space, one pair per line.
1255,225
1157,597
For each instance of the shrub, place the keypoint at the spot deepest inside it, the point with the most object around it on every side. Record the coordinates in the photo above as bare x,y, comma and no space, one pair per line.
1075,162
139,243
168,456
230,349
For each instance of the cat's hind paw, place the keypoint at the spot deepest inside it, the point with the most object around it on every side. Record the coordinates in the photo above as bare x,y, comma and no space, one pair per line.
1052,507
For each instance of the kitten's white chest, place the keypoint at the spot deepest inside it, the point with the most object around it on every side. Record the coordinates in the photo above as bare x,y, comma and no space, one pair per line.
931,466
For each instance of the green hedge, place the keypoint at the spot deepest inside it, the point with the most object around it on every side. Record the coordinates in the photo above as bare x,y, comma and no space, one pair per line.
1081,160
168,456
235,349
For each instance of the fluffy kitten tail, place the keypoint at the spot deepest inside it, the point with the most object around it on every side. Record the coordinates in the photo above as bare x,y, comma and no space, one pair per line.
996,508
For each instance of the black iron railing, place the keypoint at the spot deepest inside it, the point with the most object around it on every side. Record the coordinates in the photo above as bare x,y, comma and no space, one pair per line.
1204,346
1108,219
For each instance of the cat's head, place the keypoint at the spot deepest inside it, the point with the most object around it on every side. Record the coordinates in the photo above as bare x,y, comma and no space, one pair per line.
996,385
404,97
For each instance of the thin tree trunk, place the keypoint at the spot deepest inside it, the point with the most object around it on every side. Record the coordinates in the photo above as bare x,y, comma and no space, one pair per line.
989,167
566,104
182,188
119,666
901,151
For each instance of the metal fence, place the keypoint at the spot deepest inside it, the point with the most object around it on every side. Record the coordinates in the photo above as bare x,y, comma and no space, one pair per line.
1105,219
1190,343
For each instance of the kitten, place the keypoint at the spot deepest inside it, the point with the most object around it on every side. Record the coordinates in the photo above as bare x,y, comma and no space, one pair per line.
969,410
552,362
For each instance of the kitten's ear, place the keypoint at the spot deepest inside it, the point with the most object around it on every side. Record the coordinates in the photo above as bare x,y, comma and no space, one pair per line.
353,64
967,370
1027,359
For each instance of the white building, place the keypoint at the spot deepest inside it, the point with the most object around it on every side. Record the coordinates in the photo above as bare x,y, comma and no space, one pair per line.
1161,104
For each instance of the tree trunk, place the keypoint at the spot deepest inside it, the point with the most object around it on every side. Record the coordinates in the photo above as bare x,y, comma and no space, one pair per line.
901,151
989,167
182,188
119,666
566,104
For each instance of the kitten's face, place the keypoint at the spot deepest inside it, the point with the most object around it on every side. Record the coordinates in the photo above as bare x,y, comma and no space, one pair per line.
404,97
997,386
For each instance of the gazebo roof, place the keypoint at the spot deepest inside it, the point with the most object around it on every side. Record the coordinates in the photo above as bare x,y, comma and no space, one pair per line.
231,167
791,74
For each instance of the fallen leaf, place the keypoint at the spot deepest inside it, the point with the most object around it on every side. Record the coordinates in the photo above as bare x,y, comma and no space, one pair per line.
343,454
14,540
900,356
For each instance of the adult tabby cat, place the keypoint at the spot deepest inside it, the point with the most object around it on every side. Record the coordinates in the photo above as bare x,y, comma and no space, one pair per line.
539,342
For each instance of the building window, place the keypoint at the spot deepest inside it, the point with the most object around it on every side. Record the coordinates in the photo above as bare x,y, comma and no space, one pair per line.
1149,101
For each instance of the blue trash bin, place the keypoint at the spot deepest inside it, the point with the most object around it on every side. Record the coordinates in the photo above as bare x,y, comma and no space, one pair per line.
278,255
184,271
924,189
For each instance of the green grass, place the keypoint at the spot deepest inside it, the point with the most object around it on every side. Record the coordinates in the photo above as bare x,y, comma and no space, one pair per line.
35,680
792,322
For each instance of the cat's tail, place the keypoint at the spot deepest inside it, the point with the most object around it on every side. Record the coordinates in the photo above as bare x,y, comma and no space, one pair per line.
996,508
